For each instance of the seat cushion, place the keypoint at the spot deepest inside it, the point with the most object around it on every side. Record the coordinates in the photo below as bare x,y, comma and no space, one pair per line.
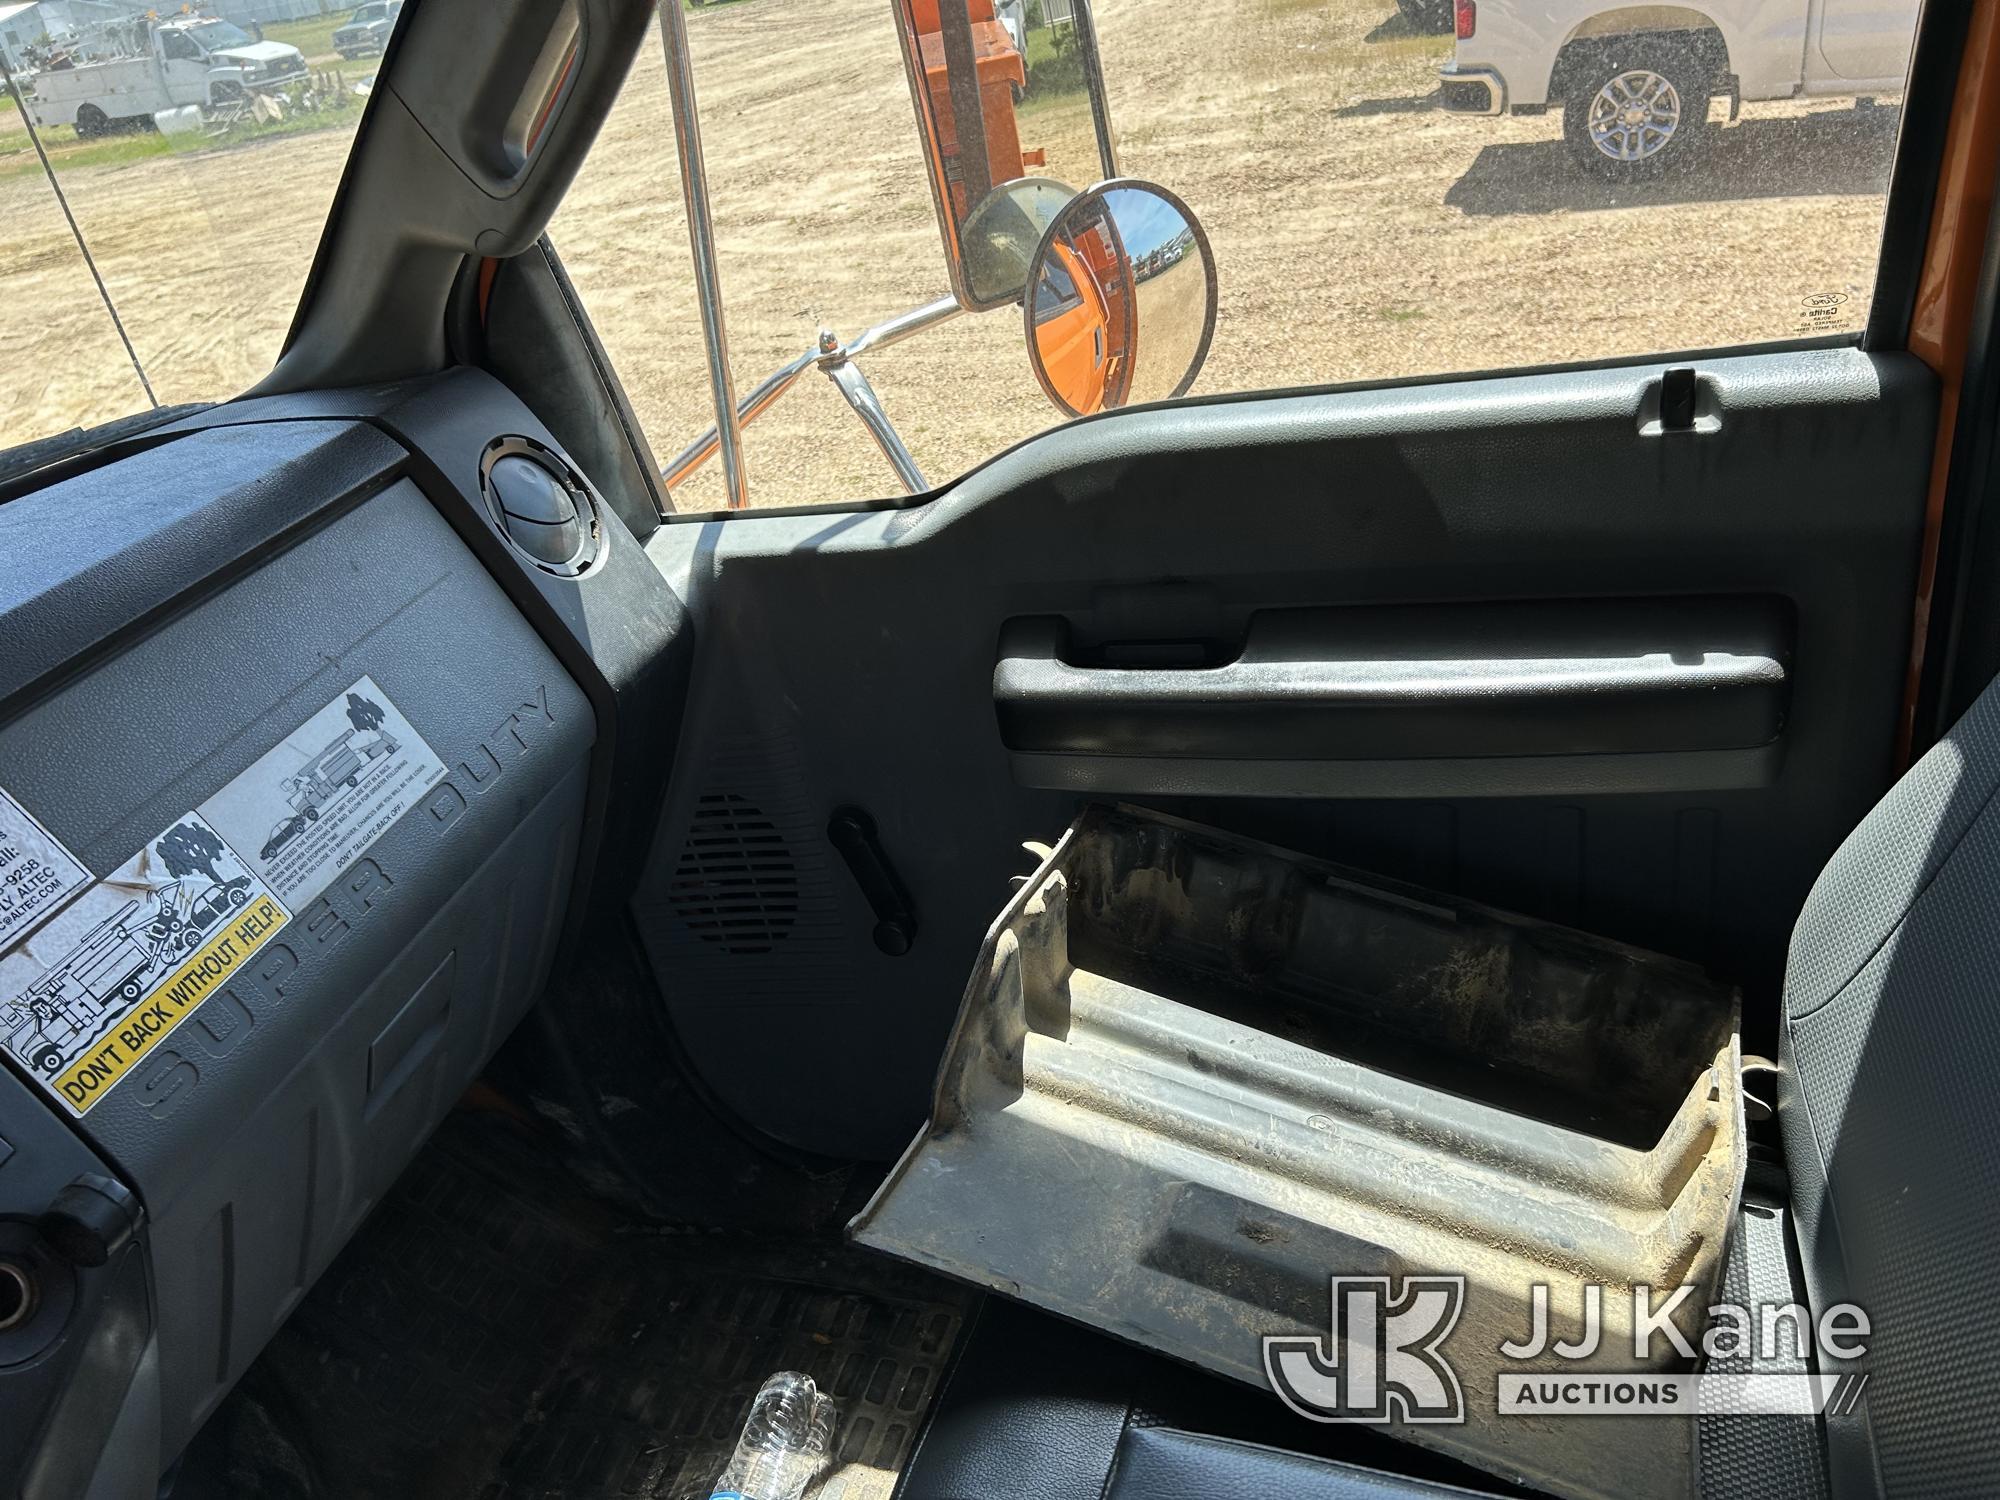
1039,1409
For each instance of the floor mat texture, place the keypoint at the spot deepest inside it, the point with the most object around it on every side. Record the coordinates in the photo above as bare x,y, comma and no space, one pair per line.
493,1332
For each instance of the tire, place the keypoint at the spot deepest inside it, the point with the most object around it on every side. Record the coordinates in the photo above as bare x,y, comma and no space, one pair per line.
91,122
312,815
48,1059
1663,84
1432,17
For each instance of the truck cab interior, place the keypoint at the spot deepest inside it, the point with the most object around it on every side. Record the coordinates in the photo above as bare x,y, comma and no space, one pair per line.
591,981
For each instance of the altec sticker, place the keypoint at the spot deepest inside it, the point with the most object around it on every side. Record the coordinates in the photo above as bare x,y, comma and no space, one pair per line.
37,874
105,981
306,808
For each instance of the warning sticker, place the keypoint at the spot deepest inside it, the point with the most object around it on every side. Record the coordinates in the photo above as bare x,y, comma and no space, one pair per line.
99,985
37,874
310,805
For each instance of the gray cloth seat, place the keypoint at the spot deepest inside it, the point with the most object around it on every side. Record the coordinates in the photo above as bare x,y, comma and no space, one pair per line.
1888,1107
1887,1098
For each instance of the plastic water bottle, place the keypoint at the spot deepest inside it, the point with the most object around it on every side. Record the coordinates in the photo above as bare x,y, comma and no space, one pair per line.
783,1444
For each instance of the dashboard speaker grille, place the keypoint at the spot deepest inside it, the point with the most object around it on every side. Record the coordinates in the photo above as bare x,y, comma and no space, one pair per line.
736,885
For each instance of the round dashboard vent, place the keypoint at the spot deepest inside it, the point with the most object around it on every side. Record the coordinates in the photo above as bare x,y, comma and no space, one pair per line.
541,505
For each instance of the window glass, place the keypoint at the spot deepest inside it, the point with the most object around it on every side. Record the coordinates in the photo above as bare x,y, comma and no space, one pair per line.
198,194
1389,188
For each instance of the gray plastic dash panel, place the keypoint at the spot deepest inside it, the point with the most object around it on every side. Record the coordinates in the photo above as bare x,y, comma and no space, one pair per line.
271,1119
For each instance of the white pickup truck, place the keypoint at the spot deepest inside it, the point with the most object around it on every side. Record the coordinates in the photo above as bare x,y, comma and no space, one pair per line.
155,67
1634,81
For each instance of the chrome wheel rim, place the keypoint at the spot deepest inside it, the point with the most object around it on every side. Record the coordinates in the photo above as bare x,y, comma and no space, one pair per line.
1634,116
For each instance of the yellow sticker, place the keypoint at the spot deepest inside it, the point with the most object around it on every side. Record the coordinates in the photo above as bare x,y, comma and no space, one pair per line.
91,993
133,1034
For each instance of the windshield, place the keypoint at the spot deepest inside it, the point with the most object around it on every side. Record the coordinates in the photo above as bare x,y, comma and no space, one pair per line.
217,34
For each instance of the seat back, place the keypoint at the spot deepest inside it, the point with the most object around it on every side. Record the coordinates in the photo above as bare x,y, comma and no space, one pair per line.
1890,1103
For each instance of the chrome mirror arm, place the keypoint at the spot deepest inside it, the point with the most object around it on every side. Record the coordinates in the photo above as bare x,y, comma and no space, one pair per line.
768,390
851,383
837,360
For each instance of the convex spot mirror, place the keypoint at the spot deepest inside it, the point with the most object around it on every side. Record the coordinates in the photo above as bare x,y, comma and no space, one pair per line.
1120,301
1003,233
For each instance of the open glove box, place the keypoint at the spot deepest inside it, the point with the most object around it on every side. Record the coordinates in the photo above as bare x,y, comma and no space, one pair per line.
1195,1079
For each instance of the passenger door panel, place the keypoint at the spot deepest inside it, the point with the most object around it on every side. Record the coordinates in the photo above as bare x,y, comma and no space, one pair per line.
924,664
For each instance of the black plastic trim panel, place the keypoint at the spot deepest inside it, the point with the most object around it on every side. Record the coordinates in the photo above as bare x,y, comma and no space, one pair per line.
79,577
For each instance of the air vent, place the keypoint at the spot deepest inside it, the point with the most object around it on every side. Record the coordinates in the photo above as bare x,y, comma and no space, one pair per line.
736,885
542,506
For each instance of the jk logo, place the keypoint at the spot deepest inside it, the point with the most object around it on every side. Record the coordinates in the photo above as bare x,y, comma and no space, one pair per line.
1382,1362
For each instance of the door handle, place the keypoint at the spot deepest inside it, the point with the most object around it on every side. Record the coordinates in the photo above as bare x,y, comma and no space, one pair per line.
1461,681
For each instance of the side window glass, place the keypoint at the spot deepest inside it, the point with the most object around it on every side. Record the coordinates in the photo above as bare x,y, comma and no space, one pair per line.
159,258
1373,191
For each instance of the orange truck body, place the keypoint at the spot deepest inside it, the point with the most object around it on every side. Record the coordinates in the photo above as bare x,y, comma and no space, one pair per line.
1001,70
1086,346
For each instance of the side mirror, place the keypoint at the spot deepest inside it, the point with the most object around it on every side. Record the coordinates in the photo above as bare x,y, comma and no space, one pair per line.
1006,111
1120,301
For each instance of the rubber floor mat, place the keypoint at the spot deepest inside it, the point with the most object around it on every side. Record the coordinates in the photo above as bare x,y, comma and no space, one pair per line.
494,1333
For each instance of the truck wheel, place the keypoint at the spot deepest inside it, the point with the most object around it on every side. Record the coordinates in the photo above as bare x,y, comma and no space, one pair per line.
91,121
312,815
1636,107
48,1059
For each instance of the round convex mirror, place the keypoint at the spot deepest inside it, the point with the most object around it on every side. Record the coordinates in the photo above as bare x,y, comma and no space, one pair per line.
1120,305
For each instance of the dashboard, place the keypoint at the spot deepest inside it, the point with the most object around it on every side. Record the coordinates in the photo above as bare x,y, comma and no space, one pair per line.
309,713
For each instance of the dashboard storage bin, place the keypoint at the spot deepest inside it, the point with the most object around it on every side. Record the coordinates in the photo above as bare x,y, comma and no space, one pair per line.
1195,1079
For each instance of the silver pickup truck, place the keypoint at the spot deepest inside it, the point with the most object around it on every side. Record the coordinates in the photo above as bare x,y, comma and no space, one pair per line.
1634,83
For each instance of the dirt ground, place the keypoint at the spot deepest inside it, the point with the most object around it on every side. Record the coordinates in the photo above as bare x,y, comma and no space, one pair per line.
1360,233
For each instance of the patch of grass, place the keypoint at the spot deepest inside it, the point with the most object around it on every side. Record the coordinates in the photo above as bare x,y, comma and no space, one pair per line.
110,151
1391,312
1055,65
312,36
67,153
